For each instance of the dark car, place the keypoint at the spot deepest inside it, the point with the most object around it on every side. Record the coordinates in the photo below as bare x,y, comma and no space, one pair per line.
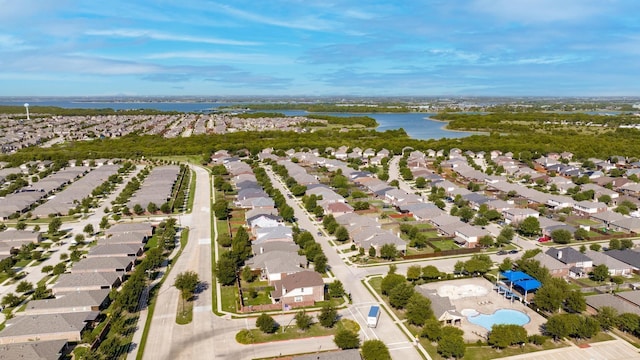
513,251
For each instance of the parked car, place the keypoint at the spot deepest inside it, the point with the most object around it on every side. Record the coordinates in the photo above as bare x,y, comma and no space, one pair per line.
544,239
514,251
501,252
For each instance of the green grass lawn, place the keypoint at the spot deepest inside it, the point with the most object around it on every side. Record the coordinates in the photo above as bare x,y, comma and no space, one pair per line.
290,331
184,313
262,298
445,244
601,336
376,284
488,353
229,294
423,226
415,251
585,222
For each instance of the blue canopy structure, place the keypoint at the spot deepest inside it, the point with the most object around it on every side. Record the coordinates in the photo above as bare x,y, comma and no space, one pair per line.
522,280
514,276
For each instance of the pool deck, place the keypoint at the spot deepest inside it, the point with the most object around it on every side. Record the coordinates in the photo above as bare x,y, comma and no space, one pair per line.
486,304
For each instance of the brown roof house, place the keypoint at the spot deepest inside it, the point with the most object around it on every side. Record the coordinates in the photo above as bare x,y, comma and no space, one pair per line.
303,288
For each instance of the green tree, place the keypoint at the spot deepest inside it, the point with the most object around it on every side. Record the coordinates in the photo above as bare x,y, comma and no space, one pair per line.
346,339
504,335
529,226
606,316
421,182
465,213
303,321
54,226
581,234
224,240
24,287
266,324
507,264
388,251
600,273
595,247
432,329
418,309
59,268
187,282
10,300
486,241
431,272
328,316
221,209
561,236
375,350
41,292
47,269
451,346
247,274
226,269
336,289
614,244
341,234
575,302
372,252
414,272
399,296
390,281
320,262
478,264
626,244
21,225
551,295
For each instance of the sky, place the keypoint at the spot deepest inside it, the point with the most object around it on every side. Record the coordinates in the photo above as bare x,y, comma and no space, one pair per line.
320,48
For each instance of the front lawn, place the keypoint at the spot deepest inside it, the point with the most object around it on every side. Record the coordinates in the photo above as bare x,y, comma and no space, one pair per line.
229,295
291,332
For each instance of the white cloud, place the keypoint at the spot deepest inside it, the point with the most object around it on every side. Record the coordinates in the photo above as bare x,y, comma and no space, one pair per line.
536,11
303,23
138,33
252,58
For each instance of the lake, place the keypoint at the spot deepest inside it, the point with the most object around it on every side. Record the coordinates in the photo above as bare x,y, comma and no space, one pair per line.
417,125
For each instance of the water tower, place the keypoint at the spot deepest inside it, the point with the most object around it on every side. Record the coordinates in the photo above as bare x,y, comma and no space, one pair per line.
26,106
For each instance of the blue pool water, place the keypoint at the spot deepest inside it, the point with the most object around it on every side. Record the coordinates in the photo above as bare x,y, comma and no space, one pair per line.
502,316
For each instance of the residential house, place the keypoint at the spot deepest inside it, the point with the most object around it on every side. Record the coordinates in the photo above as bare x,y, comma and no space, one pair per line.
589,207
36,350
468,235
517,215
275,265
302,288
627,256
579,264
86,282
120,264
556,268
79,301
46,327
615,266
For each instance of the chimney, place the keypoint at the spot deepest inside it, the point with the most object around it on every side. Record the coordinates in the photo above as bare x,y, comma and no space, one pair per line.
559,254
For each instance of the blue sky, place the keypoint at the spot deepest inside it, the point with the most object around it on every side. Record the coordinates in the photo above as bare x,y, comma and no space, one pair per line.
318,48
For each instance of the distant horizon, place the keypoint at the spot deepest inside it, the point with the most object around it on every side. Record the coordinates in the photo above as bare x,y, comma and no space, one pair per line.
378,48
333,98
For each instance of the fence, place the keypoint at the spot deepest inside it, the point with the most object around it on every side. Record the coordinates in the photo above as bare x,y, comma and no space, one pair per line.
443,253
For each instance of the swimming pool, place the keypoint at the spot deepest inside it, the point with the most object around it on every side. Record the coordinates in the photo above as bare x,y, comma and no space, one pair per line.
502,316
